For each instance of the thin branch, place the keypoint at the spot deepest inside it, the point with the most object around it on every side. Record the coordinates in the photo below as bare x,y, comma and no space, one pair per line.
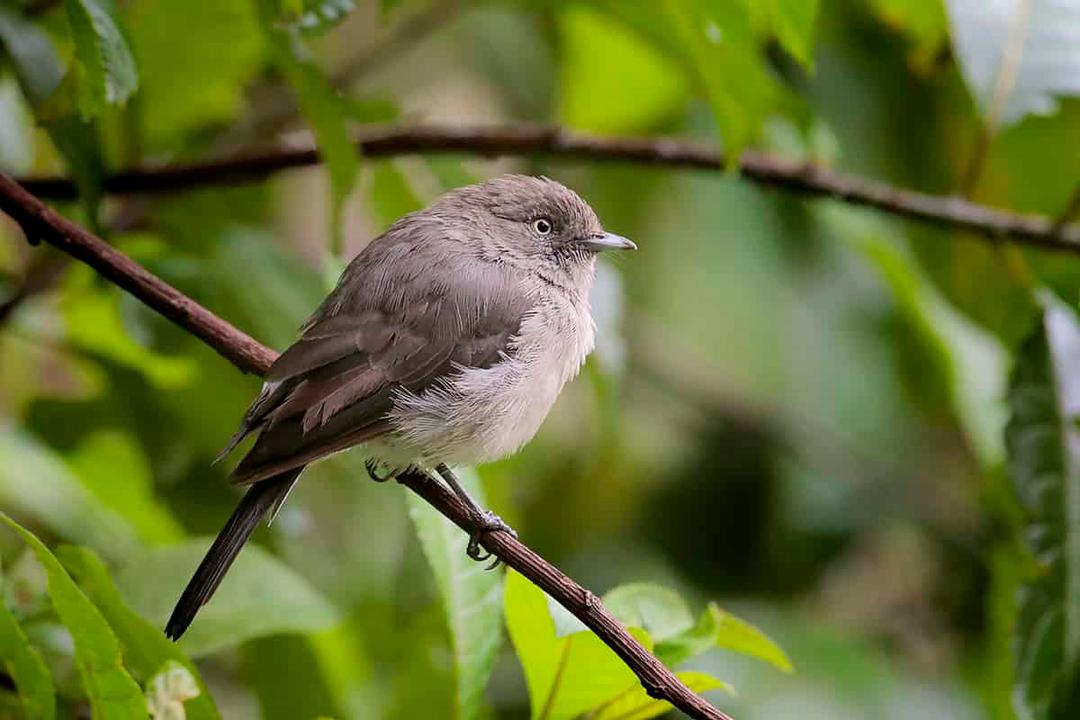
44,273
39,222
528,140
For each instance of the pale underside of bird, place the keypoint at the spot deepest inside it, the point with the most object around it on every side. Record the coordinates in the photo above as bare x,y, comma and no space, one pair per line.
446,342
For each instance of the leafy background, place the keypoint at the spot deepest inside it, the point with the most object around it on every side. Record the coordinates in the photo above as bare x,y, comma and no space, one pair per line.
854,432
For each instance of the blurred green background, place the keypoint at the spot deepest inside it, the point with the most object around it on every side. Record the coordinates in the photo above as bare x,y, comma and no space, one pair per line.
796,407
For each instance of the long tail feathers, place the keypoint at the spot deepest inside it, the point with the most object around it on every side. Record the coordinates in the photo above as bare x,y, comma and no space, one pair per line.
263,497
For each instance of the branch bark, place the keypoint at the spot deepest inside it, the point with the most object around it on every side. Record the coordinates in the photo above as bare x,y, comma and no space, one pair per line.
39,222
529,140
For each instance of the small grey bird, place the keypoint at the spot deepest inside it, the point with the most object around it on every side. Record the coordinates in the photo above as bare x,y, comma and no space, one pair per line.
445,342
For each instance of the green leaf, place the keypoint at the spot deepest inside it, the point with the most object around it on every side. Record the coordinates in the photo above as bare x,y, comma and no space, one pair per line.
106,69
194,62
260,596
659,610
793,23
1019,59
1043,446
472,598
146,649
111,466
94,323
718,44
613,80
327,114
287,677
742,637
715,44
111,691
922,22
35,60
324,109
35,482
566,676
391,195
720,629
23,664
40,73
972,361
635,703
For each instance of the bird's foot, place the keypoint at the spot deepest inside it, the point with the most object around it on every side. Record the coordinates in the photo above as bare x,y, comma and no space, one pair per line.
372,467
487,521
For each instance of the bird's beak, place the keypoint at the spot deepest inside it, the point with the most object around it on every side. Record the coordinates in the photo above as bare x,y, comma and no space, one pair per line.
607,241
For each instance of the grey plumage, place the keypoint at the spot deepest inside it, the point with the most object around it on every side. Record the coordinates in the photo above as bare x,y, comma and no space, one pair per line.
447,339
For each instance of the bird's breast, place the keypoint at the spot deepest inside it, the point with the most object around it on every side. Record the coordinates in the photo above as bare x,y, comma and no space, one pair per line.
483,414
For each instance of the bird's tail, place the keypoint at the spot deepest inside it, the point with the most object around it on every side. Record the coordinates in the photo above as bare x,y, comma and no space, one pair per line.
263,497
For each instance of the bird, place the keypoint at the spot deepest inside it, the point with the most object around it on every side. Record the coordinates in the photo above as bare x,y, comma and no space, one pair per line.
445,342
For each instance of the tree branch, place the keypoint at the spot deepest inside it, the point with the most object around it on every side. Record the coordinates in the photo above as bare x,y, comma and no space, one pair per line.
529,140
39,222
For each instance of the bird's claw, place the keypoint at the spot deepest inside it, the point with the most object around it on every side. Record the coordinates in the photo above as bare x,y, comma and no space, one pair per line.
372,467
487,522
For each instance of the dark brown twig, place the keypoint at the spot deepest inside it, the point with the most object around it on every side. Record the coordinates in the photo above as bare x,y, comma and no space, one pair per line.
768,170
39,222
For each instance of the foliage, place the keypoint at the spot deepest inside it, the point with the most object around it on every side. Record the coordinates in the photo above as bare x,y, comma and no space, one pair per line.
1044,449
471,599
1018,59
805,416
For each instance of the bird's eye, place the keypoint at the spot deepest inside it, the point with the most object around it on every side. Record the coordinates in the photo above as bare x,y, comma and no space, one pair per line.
542,226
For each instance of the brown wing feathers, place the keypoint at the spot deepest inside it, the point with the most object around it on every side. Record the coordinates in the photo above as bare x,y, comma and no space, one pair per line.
334,386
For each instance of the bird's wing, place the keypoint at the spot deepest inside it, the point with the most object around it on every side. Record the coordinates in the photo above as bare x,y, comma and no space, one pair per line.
403,316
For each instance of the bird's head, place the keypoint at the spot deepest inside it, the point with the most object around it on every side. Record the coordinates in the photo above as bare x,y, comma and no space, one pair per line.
535,223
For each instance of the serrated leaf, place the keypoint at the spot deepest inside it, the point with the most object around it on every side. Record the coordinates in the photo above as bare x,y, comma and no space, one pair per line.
107,72
471,597
146,649
659,610
111,691
37,483
1017,56
566,676
635,703
259,596
793,23
1043,446
23,664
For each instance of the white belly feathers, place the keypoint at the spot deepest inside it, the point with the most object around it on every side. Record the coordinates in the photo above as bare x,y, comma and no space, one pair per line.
480,415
